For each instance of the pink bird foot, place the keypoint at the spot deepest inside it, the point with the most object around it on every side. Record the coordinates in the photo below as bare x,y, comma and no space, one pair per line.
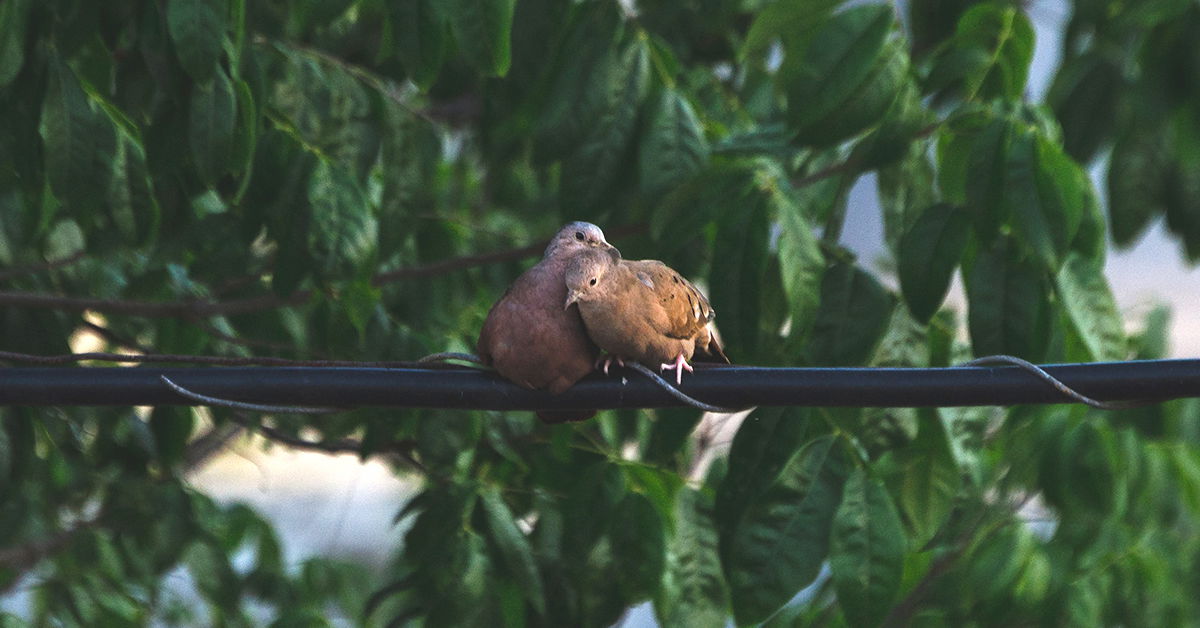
679,366
606,361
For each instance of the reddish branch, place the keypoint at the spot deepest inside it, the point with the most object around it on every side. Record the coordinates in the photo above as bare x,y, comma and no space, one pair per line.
203,309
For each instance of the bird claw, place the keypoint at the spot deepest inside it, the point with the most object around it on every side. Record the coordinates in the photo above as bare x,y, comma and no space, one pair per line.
679,366
606,361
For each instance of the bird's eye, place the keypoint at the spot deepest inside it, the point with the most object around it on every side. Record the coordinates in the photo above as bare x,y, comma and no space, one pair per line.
592,282
579,236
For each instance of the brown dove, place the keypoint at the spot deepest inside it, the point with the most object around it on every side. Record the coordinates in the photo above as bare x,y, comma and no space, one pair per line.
643,311
528,337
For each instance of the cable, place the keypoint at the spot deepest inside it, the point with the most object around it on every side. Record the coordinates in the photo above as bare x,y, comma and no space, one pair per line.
1041,374
720,386
675,392
241,405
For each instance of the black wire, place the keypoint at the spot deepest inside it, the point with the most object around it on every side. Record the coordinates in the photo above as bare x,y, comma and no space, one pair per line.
723,386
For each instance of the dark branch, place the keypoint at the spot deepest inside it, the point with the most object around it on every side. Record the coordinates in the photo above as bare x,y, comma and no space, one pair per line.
202,309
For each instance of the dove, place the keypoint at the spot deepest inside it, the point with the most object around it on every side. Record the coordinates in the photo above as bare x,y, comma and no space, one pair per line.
643,311
528,337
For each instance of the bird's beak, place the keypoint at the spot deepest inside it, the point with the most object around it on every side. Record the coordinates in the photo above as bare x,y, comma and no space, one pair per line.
572,297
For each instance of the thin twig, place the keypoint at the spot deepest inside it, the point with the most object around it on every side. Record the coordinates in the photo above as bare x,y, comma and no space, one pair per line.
13,273
401,449
200,309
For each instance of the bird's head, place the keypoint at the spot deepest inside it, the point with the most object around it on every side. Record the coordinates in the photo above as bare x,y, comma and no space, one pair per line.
578,236
585,274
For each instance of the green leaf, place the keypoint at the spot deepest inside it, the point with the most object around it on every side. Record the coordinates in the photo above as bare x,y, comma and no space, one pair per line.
515,552
343,232
1137,183
669,434
1009,313
638,547
851,319
764,443
212,122
693,591
65,240
14,16
985,177
674,147
79,142
1043,193
929,480
739,280
1085,95
171,427
866,553
906,190
197,30
1088,302
929,252
847,76
801,264
590,172
483,31
419,31
784,534
791,20
993,47
890,141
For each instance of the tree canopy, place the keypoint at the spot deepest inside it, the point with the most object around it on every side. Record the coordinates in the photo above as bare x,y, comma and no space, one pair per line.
360,179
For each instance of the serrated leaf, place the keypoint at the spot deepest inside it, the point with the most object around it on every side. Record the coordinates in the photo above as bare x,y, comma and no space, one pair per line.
343,232
589,173
1008,311
212,121
79,142
419,31
866,553
853,315
674,147
693,591
929,252
197,30
14,16
784,535
483,31
515,552
1089,304
846,78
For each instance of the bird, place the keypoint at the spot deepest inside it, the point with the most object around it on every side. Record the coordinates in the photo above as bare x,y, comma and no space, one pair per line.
643,311
529,338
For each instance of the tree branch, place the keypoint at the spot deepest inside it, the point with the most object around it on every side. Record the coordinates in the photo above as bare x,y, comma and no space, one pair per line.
202,309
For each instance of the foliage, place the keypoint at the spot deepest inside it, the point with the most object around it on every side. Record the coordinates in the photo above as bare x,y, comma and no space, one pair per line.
281,178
